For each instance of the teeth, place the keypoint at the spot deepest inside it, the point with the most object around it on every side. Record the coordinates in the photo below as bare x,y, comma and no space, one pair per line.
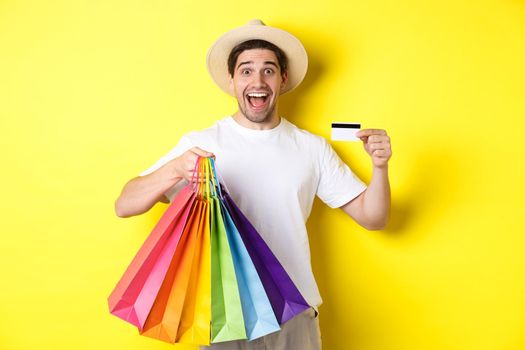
257,94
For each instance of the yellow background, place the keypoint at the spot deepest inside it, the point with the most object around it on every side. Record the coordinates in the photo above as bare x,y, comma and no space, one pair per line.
93,92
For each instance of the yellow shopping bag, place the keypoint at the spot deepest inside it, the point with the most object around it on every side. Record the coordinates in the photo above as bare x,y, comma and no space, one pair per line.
196,314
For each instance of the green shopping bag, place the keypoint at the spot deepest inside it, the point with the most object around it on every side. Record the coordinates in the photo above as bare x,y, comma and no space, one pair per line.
227,322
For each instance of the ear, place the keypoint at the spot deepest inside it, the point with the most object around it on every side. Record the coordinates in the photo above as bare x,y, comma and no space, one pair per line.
231,85
284,77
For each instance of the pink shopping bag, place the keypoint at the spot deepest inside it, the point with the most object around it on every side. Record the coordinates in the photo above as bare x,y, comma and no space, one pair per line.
123,299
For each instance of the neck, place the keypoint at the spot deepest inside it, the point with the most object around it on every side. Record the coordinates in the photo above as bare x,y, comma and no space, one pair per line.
271,123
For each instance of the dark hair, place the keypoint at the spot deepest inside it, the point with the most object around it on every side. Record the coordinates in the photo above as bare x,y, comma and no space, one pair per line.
256,44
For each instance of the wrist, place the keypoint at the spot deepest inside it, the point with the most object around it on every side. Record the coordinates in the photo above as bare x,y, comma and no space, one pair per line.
380,168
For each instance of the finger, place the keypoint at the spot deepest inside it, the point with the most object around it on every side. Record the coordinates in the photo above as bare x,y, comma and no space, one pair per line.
192,169
201,152
376,146
378,139
381,153
191,162
197,177
369,132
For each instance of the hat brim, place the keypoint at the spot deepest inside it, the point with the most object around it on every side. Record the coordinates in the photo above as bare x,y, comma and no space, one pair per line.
217,58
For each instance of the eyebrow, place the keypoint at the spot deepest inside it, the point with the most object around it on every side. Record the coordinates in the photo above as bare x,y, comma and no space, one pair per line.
265,62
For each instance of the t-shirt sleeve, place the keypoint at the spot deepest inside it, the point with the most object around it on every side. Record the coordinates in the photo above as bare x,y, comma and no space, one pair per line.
181,147
338,185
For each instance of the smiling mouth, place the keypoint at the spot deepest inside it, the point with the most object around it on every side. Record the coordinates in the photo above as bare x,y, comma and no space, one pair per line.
257,100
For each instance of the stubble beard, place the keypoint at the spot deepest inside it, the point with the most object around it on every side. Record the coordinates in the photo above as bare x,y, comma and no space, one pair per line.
257,117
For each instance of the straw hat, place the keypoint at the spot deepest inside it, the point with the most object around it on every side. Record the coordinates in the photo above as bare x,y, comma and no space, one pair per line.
217,59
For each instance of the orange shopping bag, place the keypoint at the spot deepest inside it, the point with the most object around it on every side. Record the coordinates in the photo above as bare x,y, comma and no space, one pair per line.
165,315
195,322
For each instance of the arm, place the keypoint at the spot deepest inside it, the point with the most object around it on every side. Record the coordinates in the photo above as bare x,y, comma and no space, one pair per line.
371,209
143,192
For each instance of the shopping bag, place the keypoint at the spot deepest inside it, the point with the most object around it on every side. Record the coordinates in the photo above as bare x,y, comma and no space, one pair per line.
152,285
195,321
165,315
123,299
226,313
259,318
284,296
204,274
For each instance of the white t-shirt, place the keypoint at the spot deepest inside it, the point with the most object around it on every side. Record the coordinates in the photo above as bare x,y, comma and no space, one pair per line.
273,176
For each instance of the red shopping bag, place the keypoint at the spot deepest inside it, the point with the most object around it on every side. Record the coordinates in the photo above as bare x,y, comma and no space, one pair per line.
123,299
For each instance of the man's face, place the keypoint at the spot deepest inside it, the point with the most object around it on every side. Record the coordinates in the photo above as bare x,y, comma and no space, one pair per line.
257,82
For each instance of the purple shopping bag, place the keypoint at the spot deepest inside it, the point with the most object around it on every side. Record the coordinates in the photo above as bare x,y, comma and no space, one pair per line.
284,296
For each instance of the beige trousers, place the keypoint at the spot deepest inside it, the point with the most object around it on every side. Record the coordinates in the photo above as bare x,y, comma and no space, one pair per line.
300,333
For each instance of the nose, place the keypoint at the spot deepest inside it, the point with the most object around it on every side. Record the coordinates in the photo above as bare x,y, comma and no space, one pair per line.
258,79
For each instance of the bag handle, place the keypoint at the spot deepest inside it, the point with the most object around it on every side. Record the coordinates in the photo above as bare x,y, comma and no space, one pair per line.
210,179
215,179
195,174
205,179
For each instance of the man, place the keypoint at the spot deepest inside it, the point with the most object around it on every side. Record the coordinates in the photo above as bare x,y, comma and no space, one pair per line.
271,168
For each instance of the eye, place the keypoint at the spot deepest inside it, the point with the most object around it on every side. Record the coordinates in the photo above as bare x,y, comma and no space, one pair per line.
245,72
268,71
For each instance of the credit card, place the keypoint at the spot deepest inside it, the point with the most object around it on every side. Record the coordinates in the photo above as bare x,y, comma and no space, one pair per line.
345,131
